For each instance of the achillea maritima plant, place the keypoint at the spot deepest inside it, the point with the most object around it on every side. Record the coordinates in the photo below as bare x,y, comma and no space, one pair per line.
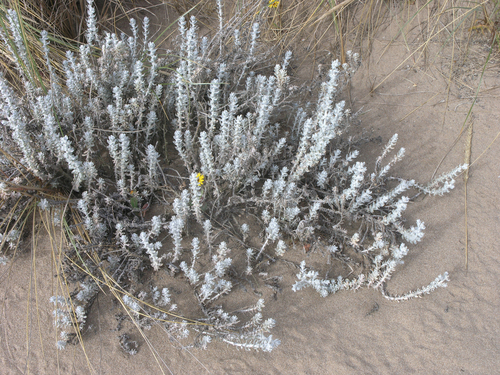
246,146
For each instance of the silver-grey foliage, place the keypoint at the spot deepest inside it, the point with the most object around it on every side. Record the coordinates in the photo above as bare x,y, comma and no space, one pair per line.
246,147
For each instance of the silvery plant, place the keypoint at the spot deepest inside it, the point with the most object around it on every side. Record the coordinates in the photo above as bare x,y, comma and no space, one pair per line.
245,145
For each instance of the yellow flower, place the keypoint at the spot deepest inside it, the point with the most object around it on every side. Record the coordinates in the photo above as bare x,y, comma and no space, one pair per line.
201,178
273,3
